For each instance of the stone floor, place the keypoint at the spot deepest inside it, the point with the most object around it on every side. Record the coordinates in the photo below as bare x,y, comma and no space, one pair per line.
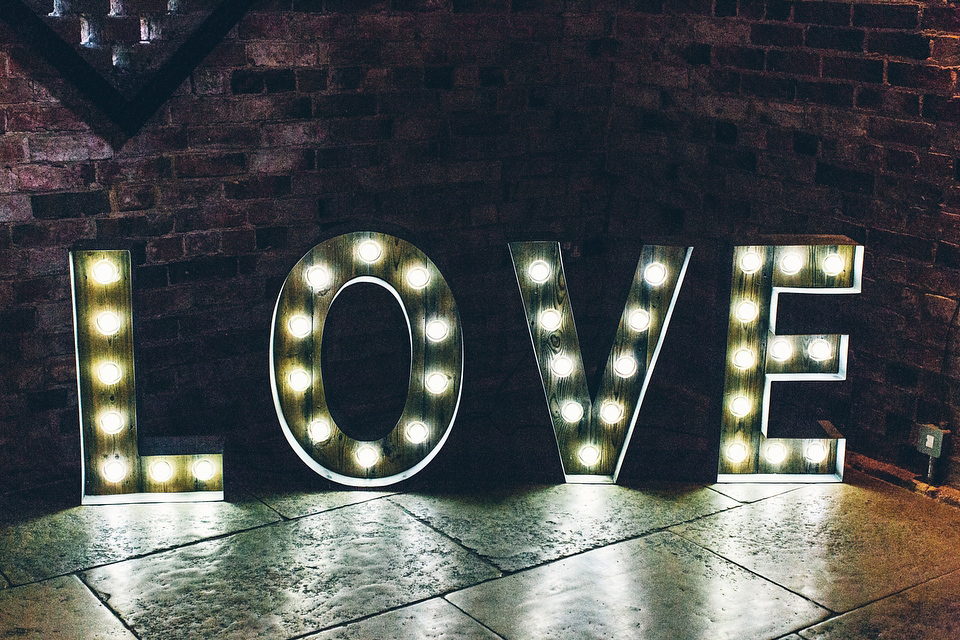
861,559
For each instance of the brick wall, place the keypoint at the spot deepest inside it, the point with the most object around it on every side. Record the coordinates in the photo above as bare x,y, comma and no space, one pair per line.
462,125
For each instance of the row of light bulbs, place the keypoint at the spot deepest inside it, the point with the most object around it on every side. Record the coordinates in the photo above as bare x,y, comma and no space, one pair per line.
776,453
781,349
792,262
367,455
115,470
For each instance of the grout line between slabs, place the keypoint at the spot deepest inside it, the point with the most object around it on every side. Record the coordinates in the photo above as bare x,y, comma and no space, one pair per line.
106,604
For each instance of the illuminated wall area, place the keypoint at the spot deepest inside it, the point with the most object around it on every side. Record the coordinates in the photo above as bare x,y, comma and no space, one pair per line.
758,356
113,469
593,433
436,363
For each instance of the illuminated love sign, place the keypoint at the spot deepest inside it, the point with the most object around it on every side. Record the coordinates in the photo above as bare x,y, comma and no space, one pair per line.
592,434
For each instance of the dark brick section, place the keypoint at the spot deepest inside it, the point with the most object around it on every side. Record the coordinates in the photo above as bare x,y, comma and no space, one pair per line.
69,205
904,45
832,38
844,179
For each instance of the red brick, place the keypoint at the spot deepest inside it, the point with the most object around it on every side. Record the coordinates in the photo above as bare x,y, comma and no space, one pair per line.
201,166
903,45
886,16
901,131
919,76
853,69
826,13
35,177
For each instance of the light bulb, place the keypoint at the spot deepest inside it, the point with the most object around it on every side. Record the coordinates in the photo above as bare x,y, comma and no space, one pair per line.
775,453
744,358
108,323
781,349
639,320
625,366
299,326
539,271
741,406
589,454
791,263
561,366
437,330
737,452
114,471
815,453
819,350
436,382
416,432
655,274
161,471
369,251
611,412
833,264
299,380
550,319
318,277
319,430
750,262
747,311
203,470
418,277
111,422
109,373
106,272
367,456
572,411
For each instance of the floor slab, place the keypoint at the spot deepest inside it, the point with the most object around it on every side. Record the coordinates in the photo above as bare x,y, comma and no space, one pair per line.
57,608
841,545
930,610
434,619
76,538
520,528
290,578
658,586
751,492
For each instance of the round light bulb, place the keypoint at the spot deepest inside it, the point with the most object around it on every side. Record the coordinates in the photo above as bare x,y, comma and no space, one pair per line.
319,430
775,453
114,471
203,470
561,366
436,382
747,311
369,251
109,373
750,262
108,323
744,358
437,330
299,326
161,471
418,277
791,263
539,271
741,406
819,350
367,456
106,272
550,319
639,320
299,380
625,366
589,454
815,452
737,452
655,274
572,411
781,349
111,422
611,412
833,264
416,433
318,277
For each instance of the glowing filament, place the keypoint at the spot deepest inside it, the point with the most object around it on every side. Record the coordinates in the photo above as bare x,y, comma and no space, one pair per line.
781,349
203,470
572,411
106,272
299,380
367,456
744,358
108,323
741,406
750,262
775,453
114,471
611,412
161,471
589,454
109,373
299,326
539,271
318,277
436,383
819,350
815,452
625,366
111,422
369,251
416,433
562,366
550,319
437,330
639,320
737,452
833,264
655,274
319,430
418,277
747,311
791,263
